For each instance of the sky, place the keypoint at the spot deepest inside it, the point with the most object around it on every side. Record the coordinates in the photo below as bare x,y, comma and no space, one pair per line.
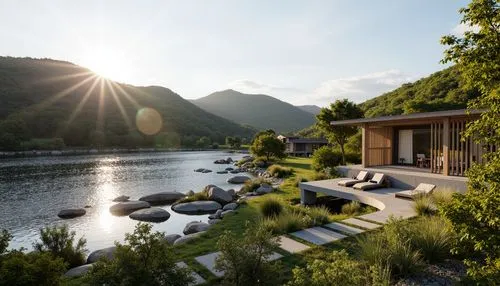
302,52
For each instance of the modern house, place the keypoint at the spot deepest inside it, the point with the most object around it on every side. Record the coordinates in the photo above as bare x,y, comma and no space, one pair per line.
297,146
430,141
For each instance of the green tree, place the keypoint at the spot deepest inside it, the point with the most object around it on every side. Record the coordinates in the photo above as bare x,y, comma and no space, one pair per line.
269,146
245,260
325,157
5,237
60,242
203,142
475,215
145,259
339,110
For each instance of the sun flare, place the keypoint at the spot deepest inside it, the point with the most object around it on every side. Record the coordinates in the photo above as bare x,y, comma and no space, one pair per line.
107,64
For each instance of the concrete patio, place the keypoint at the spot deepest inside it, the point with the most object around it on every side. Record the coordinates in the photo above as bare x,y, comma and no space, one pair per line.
383,199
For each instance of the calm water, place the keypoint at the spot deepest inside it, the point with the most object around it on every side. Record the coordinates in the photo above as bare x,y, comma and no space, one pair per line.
33,190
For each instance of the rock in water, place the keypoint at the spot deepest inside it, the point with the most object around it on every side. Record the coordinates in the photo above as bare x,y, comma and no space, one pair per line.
171,238
71,213
162,198
195,226
78,271
231,206
121,199
238,179
150,215
107,252
219,195
127,208
187,238
197,207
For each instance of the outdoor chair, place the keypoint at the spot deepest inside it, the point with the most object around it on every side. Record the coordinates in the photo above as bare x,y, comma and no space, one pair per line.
374,183
361,177
421,189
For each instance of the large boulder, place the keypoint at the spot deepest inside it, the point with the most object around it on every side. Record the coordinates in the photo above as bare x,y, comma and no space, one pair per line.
187,238
121,198
232,192
71,213
150,215
197,207
195,226
219,195
78,271
162,198
224,213
171,238
264,189
214,221
221,161
231,206
238,179
107,252
126,208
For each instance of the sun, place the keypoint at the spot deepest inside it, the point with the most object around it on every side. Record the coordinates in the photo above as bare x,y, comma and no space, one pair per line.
107,63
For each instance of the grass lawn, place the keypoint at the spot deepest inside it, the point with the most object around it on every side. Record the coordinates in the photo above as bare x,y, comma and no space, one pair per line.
249,213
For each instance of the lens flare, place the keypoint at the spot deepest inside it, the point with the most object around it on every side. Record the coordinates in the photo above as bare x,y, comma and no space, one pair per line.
148,121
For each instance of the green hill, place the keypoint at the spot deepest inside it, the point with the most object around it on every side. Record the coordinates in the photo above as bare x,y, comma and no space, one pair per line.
314,109
42,98
443,90
257,110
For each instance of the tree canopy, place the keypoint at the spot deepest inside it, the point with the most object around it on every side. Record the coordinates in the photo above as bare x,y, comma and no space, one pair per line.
269,146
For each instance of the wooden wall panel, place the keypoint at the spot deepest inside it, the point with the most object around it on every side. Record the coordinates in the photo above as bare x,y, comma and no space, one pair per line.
379,146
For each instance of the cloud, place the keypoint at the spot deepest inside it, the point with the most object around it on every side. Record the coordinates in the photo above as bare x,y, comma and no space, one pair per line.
359,88
461,28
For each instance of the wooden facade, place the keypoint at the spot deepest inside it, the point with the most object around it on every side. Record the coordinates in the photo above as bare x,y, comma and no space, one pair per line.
450,153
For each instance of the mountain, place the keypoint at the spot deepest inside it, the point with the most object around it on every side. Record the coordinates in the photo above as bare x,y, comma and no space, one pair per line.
314,109
43,98
443,90
257,110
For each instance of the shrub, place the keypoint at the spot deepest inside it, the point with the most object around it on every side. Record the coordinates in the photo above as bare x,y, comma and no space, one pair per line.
318,176
245,260
325,157
279,171
319,215
253,184
432,237
59,241
390,248
145,259
442,196
337,269
34,268
5,237
271,207
351,208
292,221
200,196
353,158
423,205
299,180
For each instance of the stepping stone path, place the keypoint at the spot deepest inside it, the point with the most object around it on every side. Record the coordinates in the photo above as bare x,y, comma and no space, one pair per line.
344,228
208,261
318,235
197,278
361,223
291,245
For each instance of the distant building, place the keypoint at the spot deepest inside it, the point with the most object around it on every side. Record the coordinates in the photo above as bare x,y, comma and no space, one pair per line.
297,146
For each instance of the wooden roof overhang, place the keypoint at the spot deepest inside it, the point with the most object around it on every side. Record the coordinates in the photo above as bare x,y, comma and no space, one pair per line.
410,119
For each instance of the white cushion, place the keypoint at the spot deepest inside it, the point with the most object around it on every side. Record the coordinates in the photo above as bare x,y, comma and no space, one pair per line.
362,175
378,178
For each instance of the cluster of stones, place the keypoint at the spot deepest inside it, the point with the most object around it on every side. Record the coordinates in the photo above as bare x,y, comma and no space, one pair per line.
228,160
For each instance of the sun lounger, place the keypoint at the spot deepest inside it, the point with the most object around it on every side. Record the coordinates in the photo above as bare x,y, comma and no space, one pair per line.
373,183
421,189
361,177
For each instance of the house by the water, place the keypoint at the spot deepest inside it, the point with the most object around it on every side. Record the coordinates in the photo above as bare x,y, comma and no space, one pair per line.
297,146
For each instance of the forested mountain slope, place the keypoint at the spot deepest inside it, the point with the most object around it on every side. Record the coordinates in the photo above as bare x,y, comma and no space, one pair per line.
42,98
257,110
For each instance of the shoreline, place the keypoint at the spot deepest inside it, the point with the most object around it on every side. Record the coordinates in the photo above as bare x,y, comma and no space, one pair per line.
76,152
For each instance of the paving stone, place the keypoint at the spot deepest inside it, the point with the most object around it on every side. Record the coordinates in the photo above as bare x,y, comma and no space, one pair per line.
208,261
318,235
197,278
291,245
344,228
361,223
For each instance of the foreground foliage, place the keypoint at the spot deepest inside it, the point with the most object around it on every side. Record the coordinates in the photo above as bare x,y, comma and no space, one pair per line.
245,260
145,259
60,242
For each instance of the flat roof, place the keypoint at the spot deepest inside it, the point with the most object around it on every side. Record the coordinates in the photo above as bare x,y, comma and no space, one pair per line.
423,115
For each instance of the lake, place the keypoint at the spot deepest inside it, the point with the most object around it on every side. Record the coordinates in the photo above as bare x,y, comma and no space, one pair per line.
34,190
